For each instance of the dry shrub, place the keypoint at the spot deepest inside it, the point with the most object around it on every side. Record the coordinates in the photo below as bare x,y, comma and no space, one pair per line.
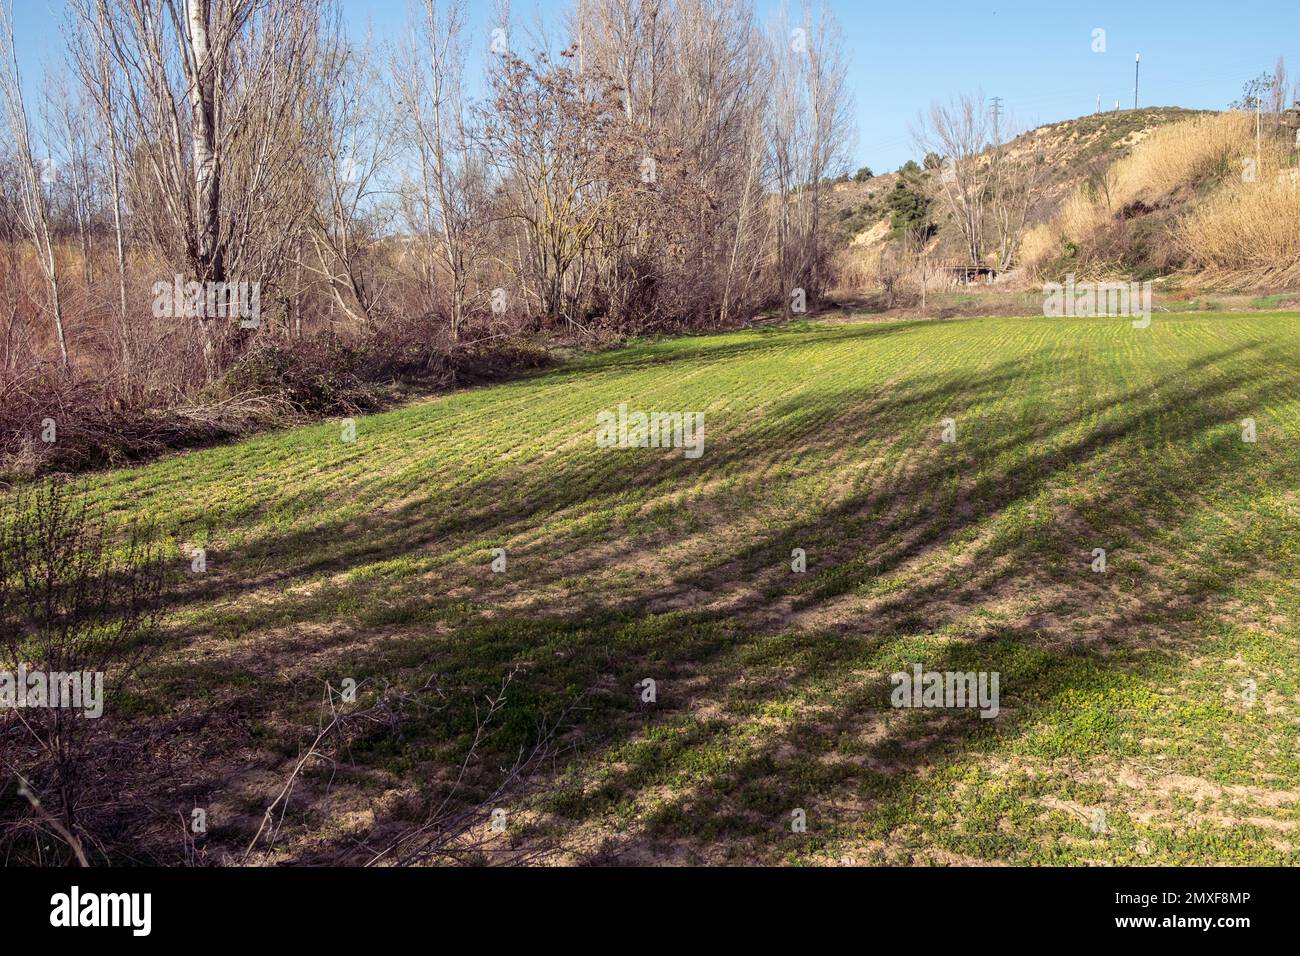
52,422
77,597
854,268
495,359
312,376
407,348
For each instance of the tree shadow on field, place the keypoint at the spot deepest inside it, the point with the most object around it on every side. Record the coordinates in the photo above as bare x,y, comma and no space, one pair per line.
774,690
1038,653
501,504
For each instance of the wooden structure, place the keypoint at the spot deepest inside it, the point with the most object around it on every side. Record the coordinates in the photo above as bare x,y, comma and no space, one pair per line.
968,275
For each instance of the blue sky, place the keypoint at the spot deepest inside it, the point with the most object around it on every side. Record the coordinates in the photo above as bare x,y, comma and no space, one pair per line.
1037,56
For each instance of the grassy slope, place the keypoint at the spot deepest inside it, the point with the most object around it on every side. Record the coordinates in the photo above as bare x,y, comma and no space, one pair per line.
1068,150
1120,691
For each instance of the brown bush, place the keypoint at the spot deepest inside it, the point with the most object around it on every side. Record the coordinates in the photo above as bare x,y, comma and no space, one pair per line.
76,598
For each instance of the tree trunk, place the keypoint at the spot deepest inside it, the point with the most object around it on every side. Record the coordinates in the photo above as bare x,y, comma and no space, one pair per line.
208,259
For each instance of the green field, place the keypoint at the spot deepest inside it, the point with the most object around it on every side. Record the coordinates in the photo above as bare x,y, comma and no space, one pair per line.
1125,691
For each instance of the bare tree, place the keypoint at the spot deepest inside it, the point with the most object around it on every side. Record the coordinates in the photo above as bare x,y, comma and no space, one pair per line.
32,204
447,200
67,124
961,131
544,133
89,46
1013,178
808,130
209,108
917,239
719,94
355,136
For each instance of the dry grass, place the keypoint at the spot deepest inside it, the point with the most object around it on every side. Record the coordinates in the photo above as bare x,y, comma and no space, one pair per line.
1247,232
1039,245
1188,152
1168,161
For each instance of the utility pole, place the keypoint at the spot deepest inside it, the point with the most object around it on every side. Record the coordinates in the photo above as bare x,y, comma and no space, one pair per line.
1137,70
1259,131
996,110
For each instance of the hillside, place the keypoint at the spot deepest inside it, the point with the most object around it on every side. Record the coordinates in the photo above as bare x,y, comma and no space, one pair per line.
1071,151
372,560
1209,202
1136,194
